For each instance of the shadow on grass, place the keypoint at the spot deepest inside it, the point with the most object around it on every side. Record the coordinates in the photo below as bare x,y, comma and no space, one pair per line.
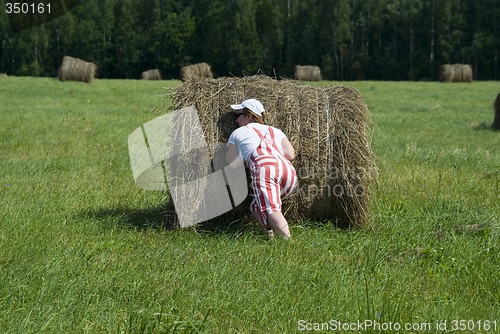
162,218
233,222
481,126
227,225
154,217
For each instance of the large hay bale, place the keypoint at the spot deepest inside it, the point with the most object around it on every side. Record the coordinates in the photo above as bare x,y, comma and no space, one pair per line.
153,74
201,70
307,73
456,73
496,107
74,69
328,126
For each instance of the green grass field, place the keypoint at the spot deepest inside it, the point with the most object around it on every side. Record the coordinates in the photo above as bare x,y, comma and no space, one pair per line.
83,250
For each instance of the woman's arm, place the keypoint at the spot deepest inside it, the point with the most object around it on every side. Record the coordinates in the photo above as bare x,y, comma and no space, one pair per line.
288,150
232,156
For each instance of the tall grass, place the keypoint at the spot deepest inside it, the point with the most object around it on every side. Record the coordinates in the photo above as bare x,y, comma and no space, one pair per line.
83,250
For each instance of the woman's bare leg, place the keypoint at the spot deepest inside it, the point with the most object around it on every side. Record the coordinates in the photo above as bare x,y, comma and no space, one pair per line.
279,224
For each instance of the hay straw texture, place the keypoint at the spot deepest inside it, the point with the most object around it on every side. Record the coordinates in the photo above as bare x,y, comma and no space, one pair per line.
307,73
328,127
201,70
74,69
456,73
151,75
496,107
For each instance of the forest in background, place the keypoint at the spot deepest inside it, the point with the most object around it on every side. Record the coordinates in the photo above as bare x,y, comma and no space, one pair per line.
347,39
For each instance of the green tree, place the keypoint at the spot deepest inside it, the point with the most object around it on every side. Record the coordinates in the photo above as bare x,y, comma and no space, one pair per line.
126,43
335,33
270,20
176,38
483,42
62,31
228,32
304,33
86,34
348,39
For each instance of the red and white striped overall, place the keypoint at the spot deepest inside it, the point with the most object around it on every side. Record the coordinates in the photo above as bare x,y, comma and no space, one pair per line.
273,176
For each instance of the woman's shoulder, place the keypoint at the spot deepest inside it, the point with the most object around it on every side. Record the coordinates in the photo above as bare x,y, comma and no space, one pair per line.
265,128
242,131
260,127
277,131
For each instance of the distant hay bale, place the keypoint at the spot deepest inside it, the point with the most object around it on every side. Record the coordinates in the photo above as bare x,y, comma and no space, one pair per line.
328,126
456,73
74,69
201,70
307,73
3,74
496,121
153,74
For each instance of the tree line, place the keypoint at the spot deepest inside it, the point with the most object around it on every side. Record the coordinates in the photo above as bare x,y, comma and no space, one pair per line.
347,39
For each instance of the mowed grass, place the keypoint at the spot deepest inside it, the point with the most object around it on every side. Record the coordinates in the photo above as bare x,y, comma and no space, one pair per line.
83,250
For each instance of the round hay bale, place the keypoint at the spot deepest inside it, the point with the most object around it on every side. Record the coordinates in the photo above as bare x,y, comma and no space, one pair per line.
74,69
307,73
153,74
496,121
201,70
456,73
328,126
3,75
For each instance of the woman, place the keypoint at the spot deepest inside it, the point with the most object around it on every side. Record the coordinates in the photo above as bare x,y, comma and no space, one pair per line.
268,154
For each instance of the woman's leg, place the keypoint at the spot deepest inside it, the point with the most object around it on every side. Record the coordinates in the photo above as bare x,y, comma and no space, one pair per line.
266,229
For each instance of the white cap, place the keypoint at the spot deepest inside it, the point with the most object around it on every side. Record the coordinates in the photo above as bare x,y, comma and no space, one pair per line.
254,105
